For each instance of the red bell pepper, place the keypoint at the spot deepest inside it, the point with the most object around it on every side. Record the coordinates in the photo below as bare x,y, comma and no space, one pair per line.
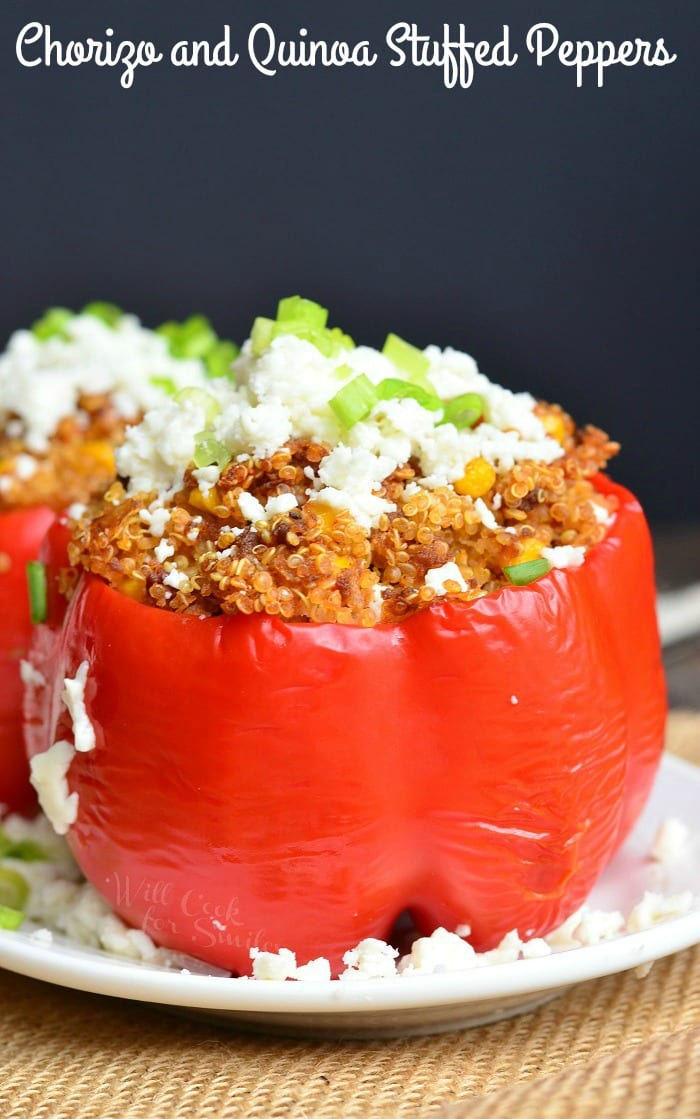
21,533
260,782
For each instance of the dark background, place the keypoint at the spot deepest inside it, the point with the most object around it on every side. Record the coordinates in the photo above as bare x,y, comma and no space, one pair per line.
549,230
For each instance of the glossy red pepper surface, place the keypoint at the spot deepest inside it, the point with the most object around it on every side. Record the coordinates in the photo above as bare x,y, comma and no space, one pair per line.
257,782
21,534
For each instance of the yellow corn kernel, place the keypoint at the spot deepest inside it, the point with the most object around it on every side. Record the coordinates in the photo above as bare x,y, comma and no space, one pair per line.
554,426
207,501
479,476
133,588
324,512
531,551
341,563
102,453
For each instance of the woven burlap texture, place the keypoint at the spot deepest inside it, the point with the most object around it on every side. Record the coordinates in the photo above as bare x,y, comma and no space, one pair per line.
620,1046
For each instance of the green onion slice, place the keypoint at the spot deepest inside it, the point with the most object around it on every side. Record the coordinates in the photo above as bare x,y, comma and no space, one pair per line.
406,357
464,411
220,359
36,581
10,918
304,319
261,335
520,574
109,313
25,849
200,399
296,309
209,451
194,338
354,401
393,388
53,324
14,890
165,384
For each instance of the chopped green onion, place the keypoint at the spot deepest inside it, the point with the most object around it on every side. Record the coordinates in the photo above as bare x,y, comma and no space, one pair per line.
10,918
261,335
165,384
200,399
220,359
343,372
193,338
463,411
36,580
25,849
406,357
520,574
53,324
393,388
296,309
209,451
354,401
332,342
14,890
168,330
109,313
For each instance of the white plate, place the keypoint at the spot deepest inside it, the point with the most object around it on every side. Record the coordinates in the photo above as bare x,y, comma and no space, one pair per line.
410,1004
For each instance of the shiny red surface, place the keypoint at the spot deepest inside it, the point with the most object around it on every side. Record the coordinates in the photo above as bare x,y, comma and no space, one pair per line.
257,782
21,533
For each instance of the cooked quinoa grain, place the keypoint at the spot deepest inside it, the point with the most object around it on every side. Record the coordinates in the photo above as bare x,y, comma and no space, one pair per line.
355,524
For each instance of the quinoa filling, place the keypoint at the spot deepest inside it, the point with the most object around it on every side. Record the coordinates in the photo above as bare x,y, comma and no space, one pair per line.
238,503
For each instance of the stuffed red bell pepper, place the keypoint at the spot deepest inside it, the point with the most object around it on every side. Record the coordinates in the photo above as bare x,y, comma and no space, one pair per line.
68,387
364,634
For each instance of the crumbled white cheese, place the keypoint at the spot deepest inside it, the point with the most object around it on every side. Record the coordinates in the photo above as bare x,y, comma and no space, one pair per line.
30,676
49,776
163,550
206,477
175,578
316,971
671,841
507,951
564,555
598,924
285,392
283,503
273,965
73,696
76,510
441,951
437,577
535,949
601,514
371,959
252,509
42,936
485,515
25,466
41,381
654,908
155,518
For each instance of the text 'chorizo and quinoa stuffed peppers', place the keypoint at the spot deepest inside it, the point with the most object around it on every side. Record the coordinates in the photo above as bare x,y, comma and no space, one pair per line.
359,634
68,389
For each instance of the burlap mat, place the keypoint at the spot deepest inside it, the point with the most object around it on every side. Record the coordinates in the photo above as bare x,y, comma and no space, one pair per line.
612,1048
